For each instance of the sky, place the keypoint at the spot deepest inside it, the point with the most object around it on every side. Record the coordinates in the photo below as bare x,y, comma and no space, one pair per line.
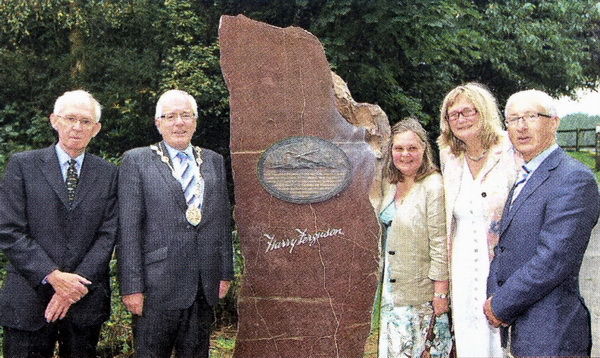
587,102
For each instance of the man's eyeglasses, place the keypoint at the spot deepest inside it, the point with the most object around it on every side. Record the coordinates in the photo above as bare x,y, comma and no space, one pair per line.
468,112
172,117
528,118
86,123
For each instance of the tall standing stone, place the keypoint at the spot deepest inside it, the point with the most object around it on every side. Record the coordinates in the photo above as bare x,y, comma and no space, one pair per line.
308,233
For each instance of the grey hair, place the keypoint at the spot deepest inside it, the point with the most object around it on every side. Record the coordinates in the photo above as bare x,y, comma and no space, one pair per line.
80,97
533,96
174,94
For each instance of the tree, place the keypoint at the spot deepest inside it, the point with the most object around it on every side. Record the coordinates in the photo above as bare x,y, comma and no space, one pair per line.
406,55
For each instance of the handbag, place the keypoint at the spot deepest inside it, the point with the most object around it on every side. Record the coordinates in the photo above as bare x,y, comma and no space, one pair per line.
452,353
429,337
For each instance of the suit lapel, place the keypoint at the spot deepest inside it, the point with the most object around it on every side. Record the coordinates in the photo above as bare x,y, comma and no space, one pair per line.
50,168
87,178
205,171
161,162
539,176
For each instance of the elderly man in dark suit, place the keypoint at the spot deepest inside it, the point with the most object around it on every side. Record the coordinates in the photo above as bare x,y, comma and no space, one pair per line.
548,218
174,249
58,223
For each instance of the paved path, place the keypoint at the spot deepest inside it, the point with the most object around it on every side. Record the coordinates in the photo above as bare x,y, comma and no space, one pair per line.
589,281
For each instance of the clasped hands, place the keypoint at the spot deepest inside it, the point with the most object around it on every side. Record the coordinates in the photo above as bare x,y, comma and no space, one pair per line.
69,288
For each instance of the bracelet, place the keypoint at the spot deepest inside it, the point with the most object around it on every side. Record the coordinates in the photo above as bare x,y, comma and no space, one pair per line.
440,295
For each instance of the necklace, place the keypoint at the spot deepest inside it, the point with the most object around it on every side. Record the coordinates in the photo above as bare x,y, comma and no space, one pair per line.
477,158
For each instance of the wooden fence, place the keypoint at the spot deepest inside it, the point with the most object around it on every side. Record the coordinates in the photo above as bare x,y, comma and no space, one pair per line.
577,139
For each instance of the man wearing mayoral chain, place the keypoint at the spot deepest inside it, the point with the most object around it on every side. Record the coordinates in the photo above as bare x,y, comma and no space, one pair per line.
174,248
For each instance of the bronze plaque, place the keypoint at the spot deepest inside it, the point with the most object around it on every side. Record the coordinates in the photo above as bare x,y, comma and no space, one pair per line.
304,170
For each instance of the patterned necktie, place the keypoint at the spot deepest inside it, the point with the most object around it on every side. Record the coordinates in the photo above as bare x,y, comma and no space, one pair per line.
188,180
72,180
519,184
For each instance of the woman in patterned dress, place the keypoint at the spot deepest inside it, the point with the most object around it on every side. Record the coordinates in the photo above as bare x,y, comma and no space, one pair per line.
415,277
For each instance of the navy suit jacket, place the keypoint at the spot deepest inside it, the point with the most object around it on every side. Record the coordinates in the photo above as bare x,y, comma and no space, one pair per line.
534,276
161,254
41,232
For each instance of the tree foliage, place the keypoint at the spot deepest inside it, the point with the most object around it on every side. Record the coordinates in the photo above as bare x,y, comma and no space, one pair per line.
404,55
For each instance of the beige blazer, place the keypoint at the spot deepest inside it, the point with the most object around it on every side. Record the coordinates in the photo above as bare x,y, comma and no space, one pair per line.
417,237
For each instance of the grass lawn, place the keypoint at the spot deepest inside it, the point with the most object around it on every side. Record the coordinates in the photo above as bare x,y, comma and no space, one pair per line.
588,159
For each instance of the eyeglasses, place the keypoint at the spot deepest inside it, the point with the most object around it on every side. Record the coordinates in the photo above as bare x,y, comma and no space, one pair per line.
85,123
468,112
528,118
172,117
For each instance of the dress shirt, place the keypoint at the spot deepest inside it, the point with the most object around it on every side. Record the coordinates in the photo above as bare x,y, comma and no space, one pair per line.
63,160
534,163
177,165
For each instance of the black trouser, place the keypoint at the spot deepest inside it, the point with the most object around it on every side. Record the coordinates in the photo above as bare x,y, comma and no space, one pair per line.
73,341
157,333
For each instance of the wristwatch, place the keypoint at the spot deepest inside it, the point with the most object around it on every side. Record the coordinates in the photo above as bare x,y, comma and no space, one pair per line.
440,295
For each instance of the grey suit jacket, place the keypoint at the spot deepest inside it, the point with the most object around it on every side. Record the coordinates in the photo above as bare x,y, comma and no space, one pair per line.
159,252
534,277
40,232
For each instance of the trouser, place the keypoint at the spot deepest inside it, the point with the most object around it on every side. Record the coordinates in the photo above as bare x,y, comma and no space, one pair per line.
157,333
73,341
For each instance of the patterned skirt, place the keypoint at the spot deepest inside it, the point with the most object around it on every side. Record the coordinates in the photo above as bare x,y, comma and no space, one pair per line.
402,332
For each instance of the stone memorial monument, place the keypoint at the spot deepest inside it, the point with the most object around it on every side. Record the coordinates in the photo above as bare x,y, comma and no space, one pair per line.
304,157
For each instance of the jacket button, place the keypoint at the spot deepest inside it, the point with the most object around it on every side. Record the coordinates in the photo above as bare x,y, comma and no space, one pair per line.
484,194
500,283
502,248
392,252
392,280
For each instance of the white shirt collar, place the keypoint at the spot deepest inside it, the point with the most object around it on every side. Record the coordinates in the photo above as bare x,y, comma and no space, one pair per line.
63,157
173,152
534,163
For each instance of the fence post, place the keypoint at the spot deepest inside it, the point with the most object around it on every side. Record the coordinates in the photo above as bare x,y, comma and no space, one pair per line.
597,148
577,140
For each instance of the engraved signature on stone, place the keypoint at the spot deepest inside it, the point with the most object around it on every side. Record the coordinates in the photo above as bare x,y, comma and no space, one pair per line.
301,238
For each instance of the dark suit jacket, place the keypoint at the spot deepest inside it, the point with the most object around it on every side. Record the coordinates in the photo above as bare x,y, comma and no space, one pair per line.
534,276
159,252
40,233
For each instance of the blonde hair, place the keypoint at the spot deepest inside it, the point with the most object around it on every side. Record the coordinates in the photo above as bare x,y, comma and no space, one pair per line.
489,114
390,172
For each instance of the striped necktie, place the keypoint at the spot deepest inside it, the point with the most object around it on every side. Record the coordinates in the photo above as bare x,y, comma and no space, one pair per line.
520,183
188,180
72,180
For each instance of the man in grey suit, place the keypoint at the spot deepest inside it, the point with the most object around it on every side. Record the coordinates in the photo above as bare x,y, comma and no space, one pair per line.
58,223
175,252
533,282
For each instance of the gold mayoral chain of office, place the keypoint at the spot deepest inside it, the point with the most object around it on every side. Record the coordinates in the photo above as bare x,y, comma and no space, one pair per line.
193,214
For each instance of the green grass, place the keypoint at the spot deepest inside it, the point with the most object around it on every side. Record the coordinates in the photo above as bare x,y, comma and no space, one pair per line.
588,159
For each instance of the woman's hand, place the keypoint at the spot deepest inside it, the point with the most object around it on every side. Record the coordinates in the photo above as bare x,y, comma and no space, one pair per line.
440,305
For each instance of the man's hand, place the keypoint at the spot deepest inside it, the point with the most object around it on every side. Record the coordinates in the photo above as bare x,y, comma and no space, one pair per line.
489,314
69,286
57,308
134,303
223,288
